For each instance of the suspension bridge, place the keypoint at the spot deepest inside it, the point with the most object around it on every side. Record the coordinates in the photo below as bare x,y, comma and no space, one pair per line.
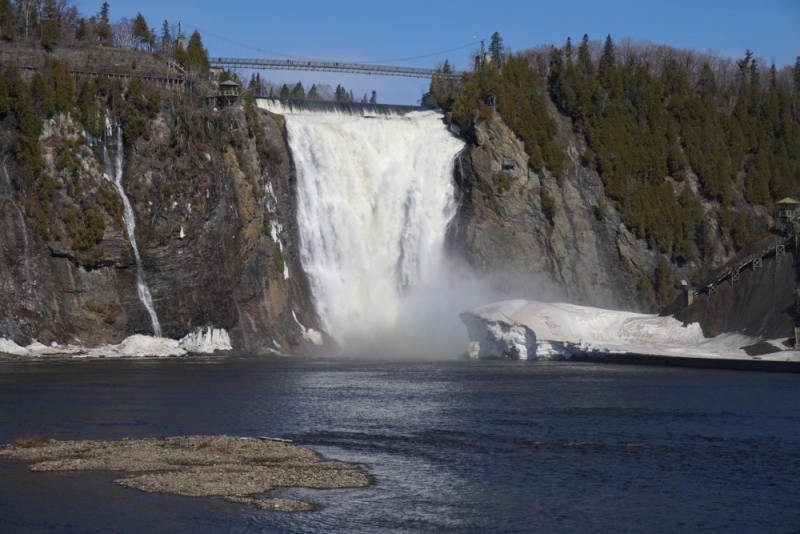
329,66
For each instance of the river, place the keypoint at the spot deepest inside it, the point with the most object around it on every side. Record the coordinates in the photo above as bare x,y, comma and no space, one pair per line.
455,446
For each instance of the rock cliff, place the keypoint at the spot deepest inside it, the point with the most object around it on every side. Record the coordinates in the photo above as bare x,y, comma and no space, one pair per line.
542,237
212,193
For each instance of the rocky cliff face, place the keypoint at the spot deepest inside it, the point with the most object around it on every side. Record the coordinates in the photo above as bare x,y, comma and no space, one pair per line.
213,194
541,237
216,230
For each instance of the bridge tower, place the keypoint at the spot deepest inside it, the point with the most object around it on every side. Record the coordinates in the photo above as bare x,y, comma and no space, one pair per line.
484,58
180,42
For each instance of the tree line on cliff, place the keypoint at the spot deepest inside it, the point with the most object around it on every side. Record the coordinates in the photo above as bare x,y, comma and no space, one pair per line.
659,123
60,20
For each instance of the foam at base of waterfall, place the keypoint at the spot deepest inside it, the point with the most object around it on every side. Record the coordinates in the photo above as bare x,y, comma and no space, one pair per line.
208,342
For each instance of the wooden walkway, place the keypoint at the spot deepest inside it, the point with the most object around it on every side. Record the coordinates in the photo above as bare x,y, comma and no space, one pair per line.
755,261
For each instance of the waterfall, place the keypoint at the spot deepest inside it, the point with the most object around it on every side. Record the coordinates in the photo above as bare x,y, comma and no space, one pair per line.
114,172
28,275
375,197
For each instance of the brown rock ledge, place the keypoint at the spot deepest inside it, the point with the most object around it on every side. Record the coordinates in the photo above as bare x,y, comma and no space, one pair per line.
236,468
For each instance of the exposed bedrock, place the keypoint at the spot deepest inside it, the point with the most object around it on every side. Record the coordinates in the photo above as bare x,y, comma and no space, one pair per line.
215,227
505,234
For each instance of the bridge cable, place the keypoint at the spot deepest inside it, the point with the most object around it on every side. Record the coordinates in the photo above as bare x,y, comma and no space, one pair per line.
420,57
268,52
289,56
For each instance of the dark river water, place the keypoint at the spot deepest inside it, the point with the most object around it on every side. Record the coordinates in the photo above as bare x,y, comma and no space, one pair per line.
459,446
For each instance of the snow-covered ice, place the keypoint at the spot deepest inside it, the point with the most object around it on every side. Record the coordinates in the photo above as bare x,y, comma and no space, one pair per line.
309,333
208,342
9,347
538,330
140,346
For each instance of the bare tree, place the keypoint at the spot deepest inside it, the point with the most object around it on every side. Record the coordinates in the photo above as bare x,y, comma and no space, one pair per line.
626,50
539,58
27,15
122,34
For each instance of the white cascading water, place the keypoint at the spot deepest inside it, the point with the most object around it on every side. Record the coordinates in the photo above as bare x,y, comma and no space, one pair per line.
28,276
375,197
115,170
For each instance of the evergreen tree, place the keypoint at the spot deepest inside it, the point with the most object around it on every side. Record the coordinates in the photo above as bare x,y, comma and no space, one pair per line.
141,32
374,98
744,64
584,58
496,49
50,34
195,57
519,92
568,52
796,75
103,28
608,59
556,66
43,95
755,76
298,91
285,92
364,99
7,19
166,35
665,283
313,93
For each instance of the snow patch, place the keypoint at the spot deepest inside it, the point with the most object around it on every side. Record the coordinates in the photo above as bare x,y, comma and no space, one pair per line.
136,346
529,329
7,346
309,333
140,346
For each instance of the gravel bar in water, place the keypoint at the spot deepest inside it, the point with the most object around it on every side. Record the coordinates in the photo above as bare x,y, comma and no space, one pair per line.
235,468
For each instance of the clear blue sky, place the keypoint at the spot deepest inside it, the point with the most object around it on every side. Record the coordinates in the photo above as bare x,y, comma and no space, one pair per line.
351,30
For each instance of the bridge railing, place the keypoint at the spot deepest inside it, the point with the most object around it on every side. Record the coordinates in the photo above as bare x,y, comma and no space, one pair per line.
329,66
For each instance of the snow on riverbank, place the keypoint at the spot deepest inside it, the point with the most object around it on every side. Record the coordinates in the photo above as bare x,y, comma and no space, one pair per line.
208,342
211,341
535,330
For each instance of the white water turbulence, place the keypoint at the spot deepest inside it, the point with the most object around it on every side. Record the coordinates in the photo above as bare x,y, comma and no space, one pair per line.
375,197
115,170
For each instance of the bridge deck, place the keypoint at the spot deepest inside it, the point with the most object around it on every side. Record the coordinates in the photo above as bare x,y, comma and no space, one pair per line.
328,66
